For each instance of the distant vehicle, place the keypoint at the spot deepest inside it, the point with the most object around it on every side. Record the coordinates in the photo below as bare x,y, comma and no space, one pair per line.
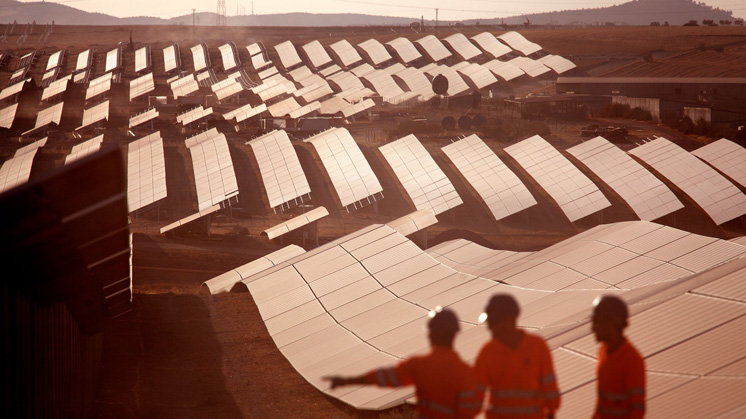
596,130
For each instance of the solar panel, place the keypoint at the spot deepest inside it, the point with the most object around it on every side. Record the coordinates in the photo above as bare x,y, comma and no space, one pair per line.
186,220
375,51
425,183
296,222
199,57
282,175
8,115
141,86
98,86
113,59
84,149
143,117
227,88
193,115
50,115
576,195
56,88
648,197
288,54
226,281
170,58
142,59
227,53
184,86
717,196
349,172
316,54
345,53
434,49
329,70
245,112
405,50
146,172
290,108
727,157
338,104
557,63
387,88
272,87
54,60
489,44
213,169
83,61
456,84
500,189
519,43
258,56
314,92
531,67
12,90
414,222
503,70
16,170
95,114
480,77
461,45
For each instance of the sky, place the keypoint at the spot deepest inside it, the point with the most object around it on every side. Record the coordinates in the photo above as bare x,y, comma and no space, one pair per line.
449,9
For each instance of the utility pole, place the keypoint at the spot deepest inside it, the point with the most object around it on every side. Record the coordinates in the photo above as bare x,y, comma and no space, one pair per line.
222,19
436,20
194,21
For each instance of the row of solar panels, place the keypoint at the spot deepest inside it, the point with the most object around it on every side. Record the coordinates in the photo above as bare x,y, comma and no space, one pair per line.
427,186
361,301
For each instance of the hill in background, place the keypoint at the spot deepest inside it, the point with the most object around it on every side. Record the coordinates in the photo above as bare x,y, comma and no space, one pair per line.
639,12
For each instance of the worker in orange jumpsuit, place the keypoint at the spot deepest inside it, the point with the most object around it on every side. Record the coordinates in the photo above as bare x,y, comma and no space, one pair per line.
516,366
445,386
621,369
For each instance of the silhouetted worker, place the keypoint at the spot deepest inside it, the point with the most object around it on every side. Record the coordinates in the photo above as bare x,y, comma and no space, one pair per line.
621,369
516,366
445,385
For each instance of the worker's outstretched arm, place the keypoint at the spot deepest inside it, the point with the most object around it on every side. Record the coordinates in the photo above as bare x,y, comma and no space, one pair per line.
340,381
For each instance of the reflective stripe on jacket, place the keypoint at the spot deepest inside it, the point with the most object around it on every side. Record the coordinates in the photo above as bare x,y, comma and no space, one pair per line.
620,384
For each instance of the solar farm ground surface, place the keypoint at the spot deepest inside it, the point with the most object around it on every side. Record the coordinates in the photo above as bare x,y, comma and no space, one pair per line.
181,354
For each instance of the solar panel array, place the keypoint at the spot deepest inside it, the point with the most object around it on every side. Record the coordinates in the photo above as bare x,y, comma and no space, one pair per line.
213,168
727,157
296,222
141,86
12,90
648,197
8,115
456,84
489,44
349,172
98,86
289,57
361,301
55,88
462,46
245,112
316,54
228,56
17,169
193,115
146,172
83,61
50,115
346,53
143,117
170,58
434,49
113,59
84,149
184,86
559,64
519,43
281,172
405,50
531,67
576,195
375,51
717,196
479,76
504,70
500,189
142,59
425,183
95,114
199,57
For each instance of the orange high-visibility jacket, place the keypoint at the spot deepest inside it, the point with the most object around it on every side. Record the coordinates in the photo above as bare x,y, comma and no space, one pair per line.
521,381
620,384
445,385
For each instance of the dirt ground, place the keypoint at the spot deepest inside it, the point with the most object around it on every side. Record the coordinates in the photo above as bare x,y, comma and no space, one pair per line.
182,354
